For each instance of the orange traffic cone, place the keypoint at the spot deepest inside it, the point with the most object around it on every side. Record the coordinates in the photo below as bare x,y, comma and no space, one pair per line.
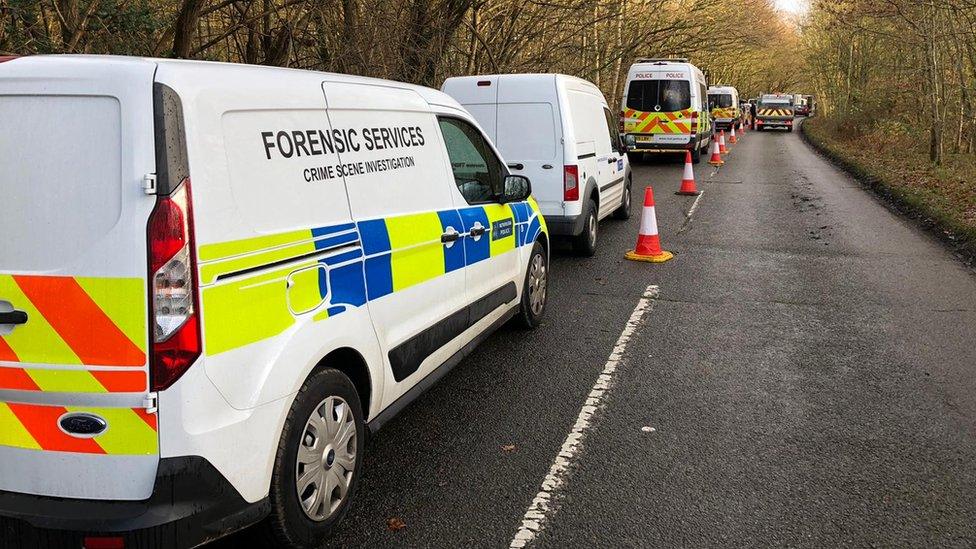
716,159
688,181
648,244
732,139
721,143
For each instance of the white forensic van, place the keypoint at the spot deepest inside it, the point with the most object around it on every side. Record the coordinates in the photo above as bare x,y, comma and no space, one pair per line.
559,131
665,109
216,280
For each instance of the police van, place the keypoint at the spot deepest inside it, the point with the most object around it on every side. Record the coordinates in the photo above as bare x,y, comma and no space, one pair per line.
216,280
775,110
665,108
559,131
723,104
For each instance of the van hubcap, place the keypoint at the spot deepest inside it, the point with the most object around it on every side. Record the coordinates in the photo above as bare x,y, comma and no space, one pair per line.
591,222
537,284
326,458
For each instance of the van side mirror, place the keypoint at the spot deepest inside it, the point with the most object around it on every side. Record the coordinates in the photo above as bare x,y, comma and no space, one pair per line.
517,189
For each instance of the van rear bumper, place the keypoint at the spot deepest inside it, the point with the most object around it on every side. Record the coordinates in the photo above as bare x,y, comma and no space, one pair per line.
191,503
565,225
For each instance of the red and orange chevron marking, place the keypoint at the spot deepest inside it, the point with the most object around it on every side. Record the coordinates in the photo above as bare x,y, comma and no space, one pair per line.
131,431
95,323
83,335
678,122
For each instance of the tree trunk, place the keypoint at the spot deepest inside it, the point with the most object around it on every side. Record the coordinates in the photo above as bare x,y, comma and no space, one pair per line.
185,29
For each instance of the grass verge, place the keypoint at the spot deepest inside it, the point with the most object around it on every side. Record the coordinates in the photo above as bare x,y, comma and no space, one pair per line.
942,198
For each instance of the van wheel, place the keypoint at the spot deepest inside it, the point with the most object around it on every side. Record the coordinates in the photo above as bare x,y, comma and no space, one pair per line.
585,243
535,290
623,212
696,153
318,462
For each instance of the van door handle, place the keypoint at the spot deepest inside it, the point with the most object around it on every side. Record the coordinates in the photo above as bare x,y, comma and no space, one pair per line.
13,317
517,166
611,161
547,166
477,231
449,237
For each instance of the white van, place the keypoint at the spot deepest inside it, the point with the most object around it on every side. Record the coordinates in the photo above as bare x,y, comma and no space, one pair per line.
216,280
775,110
664,108
559,131
723,104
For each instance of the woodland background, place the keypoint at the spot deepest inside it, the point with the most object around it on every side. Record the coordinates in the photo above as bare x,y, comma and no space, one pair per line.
895,80
746,42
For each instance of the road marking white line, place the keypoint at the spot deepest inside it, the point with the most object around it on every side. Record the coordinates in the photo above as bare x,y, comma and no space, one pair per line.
694,205
691,211
543,504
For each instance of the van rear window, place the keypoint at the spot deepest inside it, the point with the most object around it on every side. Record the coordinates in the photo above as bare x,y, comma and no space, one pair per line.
526,131
720,100
659,95
60,177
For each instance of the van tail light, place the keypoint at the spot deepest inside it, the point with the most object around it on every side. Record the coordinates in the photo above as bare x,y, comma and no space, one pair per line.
4,58
621,119
103,542
570,183
173,304
694,122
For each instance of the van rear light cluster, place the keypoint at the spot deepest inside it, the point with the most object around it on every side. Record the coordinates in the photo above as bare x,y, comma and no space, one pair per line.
103,542
173,297
622,121
570,183
694,122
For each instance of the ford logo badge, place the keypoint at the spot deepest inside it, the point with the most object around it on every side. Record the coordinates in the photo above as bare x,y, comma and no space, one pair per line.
82,425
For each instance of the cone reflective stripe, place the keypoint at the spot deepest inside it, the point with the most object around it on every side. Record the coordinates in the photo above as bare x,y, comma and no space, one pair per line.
688,181
648,243
716,159
721,143
732,138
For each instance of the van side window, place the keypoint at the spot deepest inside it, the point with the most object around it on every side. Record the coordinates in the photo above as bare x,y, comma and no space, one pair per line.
477,171
614,130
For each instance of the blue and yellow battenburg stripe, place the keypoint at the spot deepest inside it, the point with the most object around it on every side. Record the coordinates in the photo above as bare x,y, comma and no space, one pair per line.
370,259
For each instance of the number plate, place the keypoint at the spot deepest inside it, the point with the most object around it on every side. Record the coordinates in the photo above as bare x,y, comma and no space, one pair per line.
645,139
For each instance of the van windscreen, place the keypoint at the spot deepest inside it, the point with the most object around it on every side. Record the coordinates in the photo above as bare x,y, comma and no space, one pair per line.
659,95
720,100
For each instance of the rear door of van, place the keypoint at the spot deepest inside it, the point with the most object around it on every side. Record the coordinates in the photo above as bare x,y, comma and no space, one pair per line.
529,137
76,144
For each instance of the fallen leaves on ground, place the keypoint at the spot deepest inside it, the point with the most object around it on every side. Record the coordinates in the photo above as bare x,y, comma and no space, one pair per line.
395,524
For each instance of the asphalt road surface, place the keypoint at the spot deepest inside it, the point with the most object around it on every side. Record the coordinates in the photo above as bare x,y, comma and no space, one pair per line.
803,374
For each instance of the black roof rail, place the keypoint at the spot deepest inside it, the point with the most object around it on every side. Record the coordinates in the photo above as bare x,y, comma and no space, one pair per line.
661,60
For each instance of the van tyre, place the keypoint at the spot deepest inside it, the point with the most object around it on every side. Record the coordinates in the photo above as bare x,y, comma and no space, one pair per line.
696,153
623,212
318,461
535,291
585,243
